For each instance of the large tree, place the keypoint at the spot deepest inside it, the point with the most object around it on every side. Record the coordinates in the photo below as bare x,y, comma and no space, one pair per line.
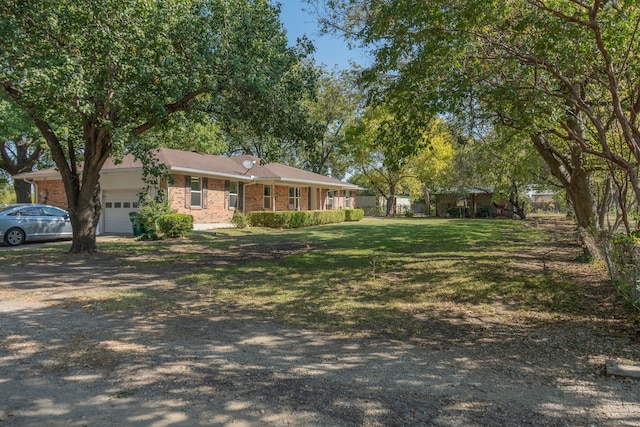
563,72
388,163
336,105
93,75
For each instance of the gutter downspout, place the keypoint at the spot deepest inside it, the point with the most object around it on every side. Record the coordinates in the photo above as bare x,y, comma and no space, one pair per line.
34,187
244,194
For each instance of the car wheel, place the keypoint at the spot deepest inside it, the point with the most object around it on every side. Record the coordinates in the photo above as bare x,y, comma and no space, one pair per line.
14,237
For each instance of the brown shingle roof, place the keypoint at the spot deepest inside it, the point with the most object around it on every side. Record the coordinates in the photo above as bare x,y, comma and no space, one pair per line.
207,164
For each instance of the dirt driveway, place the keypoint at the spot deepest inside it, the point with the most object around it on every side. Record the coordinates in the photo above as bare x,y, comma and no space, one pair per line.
63,363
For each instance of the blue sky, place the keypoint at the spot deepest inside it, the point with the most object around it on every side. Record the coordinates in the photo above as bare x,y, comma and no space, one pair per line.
330,50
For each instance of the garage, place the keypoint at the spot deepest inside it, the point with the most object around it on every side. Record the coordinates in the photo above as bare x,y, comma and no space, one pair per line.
117,205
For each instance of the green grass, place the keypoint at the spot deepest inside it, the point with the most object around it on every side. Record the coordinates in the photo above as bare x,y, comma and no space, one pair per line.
386,275
377,276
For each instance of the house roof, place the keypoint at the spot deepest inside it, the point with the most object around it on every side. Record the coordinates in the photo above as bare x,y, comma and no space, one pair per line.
234,168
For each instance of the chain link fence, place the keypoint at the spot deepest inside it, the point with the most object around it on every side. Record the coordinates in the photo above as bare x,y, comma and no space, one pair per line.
620,254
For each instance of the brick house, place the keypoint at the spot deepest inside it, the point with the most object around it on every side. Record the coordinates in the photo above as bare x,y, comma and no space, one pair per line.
210,188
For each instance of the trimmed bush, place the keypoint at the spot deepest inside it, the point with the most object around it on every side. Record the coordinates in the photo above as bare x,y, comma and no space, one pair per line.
175,225
240,220
295,219
354,214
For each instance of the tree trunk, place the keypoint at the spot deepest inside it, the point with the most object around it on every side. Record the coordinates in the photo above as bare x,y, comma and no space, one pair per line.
391,198
84,217
389,210
427,200
575,178
517,203
23,191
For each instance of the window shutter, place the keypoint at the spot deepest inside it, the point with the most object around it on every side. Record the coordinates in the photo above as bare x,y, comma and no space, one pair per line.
187,192
205,193
241,196
226,194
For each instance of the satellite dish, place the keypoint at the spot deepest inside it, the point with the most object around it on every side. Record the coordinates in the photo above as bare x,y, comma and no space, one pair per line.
248,163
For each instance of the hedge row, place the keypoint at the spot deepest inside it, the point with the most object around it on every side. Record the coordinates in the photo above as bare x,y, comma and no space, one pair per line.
297,219
353,214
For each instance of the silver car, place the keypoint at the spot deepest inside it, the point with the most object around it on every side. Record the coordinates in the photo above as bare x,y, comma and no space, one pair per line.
27,222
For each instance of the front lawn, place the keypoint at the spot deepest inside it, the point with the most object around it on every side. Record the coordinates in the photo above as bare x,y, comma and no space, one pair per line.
379,276
389,276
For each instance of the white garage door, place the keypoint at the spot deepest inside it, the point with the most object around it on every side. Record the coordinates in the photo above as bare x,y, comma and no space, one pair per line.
117,207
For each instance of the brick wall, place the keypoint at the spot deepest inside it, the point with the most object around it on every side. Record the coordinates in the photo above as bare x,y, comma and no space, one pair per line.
254,197
51,192
216,210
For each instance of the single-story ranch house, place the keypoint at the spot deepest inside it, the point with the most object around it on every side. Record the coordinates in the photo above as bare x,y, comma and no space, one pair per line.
210,188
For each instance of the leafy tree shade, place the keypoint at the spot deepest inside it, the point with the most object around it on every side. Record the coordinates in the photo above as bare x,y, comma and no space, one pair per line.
91,75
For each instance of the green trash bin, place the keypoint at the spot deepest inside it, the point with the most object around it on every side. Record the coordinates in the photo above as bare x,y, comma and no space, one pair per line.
138,229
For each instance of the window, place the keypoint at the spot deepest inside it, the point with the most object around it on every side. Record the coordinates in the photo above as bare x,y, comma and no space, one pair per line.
50,211
30,212
266,192
347,199
294,198
196,192
233,194
329,200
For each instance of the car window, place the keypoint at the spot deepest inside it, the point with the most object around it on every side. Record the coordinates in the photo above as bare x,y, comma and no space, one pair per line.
50,211
30,212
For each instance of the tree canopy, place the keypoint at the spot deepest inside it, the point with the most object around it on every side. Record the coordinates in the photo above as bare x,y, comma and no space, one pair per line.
94,75
563,73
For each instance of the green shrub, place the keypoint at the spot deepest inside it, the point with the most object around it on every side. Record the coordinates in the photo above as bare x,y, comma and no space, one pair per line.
240,220
151,209
295,219
175,225
353,214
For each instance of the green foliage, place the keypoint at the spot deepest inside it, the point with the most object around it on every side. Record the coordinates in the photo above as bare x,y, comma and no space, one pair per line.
7,195
297,219
240,220
189,132
622,261
151,210
334,107
353,214
534,67
175,225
